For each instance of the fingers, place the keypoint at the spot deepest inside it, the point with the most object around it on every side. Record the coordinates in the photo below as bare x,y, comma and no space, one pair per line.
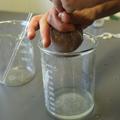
80,18
64,17
55,21
45,30
33,26
39,21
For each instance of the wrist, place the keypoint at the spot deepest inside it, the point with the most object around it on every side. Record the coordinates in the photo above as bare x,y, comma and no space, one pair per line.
107,8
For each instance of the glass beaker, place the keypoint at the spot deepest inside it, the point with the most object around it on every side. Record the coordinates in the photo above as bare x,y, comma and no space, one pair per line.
69,80
22,69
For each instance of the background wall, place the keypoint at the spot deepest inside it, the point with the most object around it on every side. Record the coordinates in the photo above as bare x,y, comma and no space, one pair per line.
36,6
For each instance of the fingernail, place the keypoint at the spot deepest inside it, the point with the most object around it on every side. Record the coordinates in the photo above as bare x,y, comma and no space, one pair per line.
61,16
43,42
45,45
30,35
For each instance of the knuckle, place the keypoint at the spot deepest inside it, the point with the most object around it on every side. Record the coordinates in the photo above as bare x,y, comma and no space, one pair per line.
35,17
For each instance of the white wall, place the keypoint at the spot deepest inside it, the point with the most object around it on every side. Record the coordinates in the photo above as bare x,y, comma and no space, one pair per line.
36,6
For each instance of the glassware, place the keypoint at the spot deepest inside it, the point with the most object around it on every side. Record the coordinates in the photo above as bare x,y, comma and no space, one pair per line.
99,23
69,80
22,69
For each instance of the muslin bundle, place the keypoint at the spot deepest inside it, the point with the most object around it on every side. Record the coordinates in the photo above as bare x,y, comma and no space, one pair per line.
65,42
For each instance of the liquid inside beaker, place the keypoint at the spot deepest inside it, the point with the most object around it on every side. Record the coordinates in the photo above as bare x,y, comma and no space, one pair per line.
70,104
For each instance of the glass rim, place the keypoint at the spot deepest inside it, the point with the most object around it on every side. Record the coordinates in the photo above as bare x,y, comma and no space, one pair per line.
73,53
11,21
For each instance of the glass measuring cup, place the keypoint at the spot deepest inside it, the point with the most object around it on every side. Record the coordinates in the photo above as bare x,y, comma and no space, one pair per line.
69,80
22,69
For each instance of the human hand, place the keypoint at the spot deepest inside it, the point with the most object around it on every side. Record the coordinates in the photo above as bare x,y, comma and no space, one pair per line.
71,5
85,17
64,22
40,22
81,18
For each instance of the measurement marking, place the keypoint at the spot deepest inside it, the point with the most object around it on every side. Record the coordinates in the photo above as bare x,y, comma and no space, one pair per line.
52,108
51,94
52,104
51,88
50,77
50,67
51,83
51,99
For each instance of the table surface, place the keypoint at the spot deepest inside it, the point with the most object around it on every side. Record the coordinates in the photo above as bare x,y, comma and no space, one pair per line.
27,102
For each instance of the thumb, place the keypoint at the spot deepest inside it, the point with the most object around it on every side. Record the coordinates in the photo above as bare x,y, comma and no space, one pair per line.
64,17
